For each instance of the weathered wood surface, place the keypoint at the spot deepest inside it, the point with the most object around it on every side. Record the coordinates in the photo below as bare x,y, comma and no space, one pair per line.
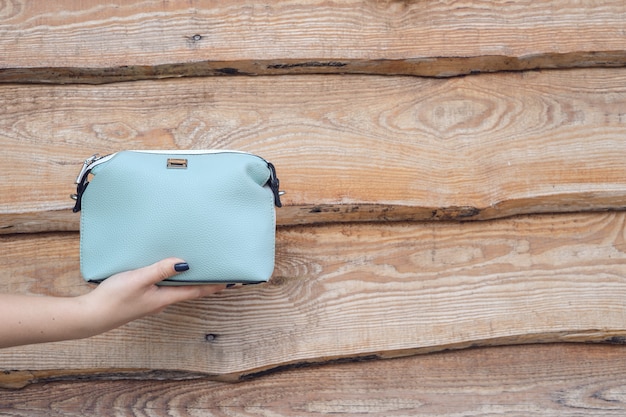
354,291
538,380
349,148
68,41
346,147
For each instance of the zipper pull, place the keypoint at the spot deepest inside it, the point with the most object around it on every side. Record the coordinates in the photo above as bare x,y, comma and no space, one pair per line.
85,168
274,184
81,181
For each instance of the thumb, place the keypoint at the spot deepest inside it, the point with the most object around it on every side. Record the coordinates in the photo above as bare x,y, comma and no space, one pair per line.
162,270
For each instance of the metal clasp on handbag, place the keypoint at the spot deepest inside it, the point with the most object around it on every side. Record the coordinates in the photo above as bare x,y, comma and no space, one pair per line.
176,163
81,180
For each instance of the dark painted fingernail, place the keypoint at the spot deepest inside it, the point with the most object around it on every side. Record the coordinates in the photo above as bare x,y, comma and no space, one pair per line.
230,285
183,266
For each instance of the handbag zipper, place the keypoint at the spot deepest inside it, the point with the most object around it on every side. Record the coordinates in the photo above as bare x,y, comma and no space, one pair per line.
95,160
88,165
81,180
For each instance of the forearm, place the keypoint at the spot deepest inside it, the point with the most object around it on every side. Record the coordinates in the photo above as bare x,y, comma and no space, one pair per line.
118,300
29,319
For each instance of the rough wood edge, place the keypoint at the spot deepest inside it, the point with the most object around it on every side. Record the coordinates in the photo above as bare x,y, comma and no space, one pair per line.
17,379
67,221
439,67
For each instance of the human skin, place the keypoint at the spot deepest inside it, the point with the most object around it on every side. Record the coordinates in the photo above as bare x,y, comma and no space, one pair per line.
122,298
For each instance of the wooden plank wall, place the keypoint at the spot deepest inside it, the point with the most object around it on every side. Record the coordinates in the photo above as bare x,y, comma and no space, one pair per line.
453,220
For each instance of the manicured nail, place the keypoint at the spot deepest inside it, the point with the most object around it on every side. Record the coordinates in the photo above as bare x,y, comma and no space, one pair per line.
183,266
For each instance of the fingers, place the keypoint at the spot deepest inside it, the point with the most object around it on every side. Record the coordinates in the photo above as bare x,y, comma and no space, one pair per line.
189,292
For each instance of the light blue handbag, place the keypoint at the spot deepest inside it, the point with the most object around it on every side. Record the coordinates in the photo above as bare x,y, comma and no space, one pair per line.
213,209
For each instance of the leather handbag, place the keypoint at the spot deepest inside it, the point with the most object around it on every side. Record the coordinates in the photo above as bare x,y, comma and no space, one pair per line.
213,209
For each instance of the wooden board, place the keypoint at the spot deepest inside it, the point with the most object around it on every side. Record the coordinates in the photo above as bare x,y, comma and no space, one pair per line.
356,148
68,41
351,149
354,291
539,380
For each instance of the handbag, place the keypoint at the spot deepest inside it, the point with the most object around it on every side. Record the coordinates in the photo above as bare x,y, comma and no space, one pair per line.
213,209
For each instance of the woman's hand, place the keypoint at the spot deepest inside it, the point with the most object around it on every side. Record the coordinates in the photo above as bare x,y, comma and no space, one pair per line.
134,294
122,298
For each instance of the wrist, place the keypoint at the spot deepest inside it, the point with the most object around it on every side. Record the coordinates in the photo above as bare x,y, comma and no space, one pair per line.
92,315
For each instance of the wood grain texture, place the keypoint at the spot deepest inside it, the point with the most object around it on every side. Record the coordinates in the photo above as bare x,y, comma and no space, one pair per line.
355,291
539,380
95,42
347,148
